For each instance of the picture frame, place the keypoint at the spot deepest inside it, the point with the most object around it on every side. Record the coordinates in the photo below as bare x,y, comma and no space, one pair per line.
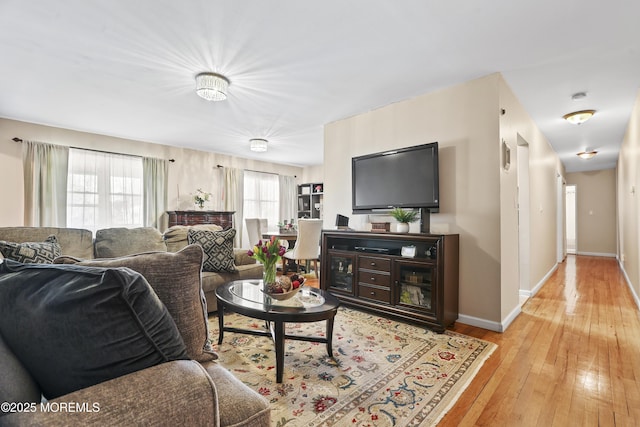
408,251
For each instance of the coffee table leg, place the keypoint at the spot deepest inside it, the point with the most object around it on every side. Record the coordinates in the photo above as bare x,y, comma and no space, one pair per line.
279,337
220,322
330,336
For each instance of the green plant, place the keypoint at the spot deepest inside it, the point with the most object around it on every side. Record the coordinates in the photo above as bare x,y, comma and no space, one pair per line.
401,215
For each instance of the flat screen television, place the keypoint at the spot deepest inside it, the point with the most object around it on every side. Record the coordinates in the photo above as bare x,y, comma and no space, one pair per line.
406,177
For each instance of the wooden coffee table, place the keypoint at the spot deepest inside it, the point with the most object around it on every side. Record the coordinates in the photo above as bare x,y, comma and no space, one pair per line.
309,305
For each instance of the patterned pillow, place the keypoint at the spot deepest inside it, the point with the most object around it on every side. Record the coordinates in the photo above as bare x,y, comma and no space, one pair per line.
32,252
217,247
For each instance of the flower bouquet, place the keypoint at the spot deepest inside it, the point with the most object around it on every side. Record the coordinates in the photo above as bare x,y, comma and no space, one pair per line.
200,197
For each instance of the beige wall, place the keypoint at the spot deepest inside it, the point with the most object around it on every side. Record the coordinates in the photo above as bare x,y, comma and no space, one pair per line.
595,211
192,169
545,169
629,202
463,119
477,197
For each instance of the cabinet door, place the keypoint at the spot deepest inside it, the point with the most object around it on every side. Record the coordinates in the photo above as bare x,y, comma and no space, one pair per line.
341,267
415,286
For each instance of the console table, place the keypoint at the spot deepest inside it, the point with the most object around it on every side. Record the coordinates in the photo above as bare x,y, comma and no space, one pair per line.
368,270
222,218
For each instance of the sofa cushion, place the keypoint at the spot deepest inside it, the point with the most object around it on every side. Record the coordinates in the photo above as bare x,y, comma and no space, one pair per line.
32,252
120,241
73,241
218,248
74,326
17,384
176,279
176,236
254,410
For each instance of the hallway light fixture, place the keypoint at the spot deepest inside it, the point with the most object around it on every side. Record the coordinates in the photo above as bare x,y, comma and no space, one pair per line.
586,155
579,117
212,86
258,145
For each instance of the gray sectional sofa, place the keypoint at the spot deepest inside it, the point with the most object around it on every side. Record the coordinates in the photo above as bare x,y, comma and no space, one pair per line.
190,389
116,242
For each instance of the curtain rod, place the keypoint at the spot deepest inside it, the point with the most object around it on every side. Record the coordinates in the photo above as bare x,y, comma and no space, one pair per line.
16,139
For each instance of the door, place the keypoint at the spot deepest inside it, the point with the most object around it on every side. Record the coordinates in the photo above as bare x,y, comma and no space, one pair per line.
570,224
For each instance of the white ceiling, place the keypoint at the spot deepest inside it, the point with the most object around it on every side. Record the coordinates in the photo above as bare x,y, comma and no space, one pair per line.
126,68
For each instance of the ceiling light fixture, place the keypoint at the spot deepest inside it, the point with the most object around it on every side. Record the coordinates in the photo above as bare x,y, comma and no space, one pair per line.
586,155
212,86
258,145
579,117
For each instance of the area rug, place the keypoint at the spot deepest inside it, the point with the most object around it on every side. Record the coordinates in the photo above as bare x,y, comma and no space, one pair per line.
383,373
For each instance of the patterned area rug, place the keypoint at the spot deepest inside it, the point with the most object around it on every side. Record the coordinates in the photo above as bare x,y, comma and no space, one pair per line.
383,373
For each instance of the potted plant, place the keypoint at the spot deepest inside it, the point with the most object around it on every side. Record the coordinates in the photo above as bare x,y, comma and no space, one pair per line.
200,197
404,218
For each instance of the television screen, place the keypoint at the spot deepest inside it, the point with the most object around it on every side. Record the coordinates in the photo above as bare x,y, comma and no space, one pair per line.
406,177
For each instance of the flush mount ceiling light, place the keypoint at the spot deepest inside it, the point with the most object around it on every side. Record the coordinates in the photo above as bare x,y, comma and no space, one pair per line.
259,145
579,117
212,86
587,154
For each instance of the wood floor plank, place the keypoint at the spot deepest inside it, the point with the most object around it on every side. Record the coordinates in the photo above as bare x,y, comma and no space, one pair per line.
572,357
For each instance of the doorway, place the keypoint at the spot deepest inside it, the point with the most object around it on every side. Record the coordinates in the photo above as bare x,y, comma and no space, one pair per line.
570,221
524,256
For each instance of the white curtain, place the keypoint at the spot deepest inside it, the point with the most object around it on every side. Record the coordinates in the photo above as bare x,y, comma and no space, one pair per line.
45,184
261,197
104,190
155,174
233,199
288,197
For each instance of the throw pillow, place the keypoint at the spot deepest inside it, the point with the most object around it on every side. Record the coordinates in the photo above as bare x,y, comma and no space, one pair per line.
176,278
73,326
217,247
32,252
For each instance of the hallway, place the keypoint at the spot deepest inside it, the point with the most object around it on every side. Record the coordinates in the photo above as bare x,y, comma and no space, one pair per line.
572,357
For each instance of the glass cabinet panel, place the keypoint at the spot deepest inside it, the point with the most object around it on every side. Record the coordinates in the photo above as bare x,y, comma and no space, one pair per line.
416,286
341,272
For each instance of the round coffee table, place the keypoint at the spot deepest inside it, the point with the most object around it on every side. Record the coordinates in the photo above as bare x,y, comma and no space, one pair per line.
308,305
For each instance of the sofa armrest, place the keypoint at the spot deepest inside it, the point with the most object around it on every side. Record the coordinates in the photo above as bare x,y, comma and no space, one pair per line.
173,393
241,258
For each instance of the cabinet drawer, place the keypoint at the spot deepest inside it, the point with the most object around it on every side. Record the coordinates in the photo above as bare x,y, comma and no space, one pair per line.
374,278
372,263
374,293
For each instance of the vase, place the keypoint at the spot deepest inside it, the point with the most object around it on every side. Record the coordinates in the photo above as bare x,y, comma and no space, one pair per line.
402,227
269,274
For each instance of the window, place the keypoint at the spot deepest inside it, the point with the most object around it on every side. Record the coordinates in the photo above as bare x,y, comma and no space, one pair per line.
104,190
261,196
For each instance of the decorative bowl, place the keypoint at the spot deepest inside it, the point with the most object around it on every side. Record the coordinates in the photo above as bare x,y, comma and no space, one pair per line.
283,296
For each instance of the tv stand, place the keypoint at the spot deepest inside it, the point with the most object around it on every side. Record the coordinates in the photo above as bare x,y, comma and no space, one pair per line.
366,270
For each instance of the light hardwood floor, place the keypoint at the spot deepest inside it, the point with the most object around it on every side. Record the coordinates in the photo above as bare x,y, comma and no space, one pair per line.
571,358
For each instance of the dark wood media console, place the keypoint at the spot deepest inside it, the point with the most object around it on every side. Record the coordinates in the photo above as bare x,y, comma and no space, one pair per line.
366,270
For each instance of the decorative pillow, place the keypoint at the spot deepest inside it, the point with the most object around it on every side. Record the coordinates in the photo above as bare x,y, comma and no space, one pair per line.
73,326
217,247
176,279
176,236
32,252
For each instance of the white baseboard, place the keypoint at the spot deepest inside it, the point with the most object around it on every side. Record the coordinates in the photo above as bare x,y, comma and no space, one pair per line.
626,278
603,254
480,323
528,294
510,318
